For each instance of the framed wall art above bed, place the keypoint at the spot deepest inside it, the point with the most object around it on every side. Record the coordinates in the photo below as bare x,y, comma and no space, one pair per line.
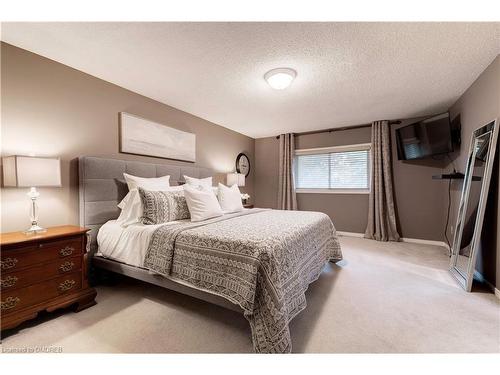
139,136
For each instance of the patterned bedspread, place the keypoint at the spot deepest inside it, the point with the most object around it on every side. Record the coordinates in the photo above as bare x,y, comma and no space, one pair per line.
262,260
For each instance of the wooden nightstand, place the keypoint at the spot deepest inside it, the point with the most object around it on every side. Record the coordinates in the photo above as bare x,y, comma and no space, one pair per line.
43,271
248,205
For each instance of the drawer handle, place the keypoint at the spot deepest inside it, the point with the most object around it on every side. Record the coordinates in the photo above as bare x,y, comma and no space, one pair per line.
66,251
66,266
66,285
10,303
8,281
8,263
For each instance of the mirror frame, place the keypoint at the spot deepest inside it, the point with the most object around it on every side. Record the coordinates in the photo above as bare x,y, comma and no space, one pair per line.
465,279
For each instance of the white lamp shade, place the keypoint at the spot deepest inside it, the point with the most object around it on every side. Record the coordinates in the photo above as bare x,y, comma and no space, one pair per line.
235,178
28,171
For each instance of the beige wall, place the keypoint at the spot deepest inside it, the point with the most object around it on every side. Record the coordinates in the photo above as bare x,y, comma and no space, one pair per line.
266,172
480,104
49,109
421,202
348,211
419,199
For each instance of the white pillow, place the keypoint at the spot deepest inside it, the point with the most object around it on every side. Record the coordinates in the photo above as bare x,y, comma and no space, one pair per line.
205,182
152,184
230,198
202,203
131,206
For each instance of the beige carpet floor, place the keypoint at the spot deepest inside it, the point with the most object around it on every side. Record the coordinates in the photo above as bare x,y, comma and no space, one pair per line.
383,298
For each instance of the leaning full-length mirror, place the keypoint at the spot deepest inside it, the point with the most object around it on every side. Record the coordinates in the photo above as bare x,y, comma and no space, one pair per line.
473,203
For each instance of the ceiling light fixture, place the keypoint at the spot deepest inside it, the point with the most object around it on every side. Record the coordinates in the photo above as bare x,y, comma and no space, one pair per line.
280,78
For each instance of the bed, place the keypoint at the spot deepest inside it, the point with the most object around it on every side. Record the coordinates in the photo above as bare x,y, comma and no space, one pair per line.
258,261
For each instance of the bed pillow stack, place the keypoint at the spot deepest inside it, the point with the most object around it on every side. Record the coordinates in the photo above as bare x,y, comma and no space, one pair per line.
153,201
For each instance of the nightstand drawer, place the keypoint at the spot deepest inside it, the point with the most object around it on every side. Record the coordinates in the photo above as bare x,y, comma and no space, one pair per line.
17,299
18,279
17,258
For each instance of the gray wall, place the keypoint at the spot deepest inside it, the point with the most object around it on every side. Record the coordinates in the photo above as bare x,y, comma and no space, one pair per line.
49,109
478,105
419,199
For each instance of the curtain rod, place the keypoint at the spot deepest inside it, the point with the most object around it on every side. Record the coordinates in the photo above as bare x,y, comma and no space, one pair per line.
339,129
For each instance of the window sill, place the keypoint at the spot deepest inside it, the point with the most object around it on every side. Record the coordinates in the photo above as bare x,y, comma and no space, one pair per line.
332,191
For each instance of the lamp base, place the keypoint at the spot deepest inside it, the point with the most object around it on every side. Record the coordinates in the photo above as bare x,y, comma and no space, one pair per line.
34,229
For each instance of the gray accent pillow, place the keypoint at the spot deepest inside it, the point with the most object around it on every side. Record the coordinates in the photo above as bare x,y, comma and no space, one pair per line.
163,206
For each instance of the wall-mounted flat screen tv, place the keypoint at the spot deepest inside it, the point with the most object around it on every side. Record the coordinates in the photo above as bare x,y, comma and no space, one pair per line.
425,138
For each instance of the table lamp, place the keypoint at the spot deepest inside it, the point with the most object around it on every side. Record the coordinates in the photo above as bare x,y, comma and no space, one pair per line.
32,172
235,178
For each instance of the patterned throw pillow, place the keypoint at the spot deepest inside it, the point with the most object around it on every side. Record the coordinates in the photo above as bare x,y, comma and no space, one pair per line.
163,206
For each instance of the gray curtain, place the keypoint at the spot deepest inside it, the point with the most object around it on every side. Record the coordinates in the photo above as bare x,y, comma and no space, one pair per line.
287,199
381,212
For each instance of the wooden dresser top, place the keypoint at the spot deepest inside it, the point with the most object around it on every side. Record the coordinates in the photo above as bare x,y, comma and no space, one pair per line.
51,233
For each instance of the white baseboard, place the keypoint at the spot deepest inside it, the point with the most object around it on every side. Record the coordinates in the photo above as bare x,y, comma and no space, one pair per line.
410,240
426,242
350,234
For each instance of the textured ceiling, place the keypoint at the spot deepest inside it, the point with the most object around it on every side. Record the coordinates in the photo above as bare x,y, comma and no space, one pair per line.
348,73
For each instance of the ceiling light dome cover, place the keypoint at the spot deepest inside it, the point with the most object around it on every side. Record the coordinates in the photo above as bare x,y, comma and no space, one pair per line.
280,78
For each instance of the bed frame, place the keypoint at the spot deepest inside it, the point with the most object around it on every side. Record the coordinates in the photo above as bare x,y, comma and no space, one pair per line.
102,187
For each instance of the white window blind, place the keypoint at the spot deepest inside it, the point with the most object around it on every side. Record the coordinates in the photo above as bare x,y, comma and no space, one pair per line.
343,169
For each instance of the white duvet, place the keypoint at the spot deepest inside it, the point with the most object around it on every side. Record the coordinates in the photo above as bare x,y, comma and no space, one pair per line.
127,245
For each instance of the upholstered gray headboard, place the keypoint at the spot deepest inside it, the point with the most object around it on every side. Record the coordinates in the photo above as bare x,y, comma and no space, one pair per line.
102,186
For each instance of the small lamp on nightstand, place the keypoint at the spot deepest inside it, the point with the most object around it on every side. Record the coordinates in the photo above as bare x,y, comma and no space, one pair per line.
32,172
238,179
235,179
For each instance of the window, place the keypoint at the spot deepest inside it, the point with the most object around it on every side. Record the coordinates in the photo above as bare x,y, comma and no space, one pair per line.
342,169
